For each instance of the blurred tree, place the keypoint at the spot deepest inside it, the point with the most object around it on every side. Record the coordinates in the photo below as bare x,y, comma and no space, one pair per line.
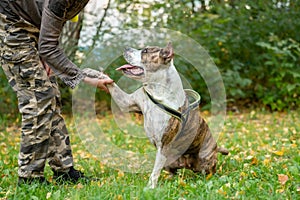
255,44
234,33
70,36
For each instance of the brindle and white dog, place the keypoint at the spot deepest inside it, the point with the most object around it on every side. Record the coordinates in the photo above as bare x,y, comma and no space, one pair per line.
172,119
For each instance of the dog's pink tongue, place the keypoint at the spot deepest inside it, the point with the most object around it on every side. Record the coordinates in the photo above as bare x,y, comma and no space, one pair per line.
126,66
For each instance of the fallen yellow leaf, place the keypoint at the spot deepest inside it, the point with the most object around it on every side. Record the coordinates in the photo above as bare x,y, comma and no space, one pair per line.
294,145
266,162
182,183
208,176
278,153
222,192
243,174
254,173
254,161
280,191
120,174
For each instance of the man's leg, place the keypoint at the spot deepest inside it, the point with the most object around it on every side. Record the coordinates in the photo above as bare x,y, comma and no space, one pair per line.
44,134
36,98
60,153
36,107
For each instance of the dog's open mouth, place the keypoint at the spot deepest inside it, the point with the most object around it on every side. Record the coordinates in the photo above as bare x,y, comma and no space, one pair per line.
132,70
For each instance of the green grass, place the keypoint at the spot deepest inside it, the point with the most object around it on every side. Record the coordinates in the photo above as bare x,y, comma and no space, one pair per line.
264,147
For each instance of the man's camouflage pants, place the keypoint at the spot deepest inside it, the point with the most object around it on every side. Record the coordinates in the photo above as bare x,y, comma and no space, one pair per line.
44,134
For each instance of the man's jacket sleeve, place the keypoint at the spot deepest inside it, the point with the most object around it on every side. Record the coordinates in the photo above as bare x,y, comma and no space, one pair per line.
53,19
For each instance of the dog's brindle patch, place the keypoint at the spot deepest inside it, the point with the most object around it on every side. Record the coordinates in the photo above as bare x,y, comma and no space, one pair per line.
192,158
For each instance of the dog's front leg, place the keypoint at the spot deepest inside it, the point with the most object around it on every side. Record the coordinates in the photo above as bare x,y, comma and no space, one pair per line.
126,102
160,161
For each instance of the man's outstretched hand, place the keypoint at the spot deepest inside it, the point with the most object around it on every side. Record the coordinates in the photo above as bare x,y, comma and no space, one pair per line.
99,83
102,84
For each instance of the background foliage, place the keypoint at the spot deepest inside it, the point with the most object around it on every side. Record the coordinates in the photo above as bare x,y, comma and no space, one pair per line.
255,45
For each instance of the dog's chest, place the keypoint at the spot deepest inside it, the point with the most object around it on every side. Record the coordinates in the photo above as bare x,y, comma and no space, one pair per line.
155,121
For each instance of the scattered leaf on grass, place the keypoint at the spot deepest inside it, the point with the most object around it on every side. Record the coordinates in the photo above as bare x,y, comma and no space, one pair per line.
181,182
294,145
249,158
278,153
282,178
254,173
242,175
120,174
254,161
208,176
266,162
48,195
222,192
280,190
97,183
79,186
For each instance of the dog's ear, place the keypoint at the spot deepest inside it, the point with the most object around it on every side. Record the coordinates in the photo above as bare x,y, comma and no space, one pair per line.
167,53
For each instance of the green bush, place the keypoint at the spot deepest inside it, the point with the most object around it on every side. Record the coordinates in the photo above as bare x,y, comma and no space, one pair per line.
281,59
255,44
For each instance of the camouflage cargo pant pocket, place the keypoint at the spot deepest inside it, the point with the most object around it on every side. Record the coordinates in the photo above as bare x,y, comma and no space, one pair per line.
23,65
19,54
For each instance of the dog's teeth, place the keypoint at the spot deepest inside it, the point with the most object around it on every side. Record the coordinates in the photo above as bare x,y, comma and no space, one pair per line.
136,71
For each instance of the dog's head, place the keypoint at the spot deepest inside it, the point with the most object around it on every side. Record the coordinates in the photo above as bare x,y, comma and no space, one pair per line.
144,62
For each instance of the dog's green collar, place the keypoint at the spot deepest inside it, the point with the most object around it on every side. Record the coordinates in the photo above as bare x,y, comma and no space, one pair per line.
193,98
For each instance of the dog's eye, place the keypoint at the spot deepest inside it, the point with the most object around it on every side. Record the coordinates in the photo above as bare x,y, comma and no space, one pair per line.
144,51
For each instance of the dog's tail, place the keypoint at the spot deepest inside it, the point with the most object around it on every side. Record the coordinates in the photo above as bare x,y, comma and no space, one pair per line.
223,151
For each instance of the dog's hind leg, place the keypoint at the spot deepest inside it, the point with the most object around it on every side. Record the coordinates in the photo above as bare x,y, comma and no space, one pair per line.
223,151
160,161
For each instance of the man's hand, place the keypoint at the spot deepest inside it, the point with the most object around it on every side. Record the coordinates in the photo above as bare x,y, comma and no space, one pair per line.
102,84
99,83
